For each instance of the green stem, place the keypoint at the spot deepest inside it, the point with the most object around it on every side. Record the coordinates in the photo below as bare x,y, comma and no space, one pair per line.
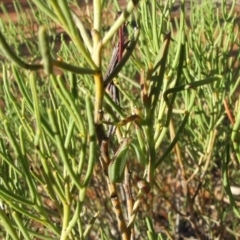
61,149
174,141
72,68
97,8
7,224
8,53
20,225
92,139
120,21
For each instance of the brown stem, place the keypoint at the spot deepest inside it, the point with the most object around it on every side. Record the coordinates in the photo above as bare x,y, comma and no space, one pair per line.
128,193
126,234
228,112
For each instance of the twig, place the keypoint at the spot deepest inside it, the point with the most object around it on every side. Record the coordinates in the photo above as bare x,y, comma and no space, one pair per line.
115,59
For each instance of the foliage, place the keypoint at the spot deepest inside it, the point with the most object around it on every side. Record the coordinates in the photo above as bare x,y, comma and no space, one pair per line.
174,158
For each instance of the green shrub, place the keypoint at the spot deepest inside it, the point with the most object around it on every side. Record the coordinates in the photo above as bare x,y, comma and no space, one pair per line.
170,169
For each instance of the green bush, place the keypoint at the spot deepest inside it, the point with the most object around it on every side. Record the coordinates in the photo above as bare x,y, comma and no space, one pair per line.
171,170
